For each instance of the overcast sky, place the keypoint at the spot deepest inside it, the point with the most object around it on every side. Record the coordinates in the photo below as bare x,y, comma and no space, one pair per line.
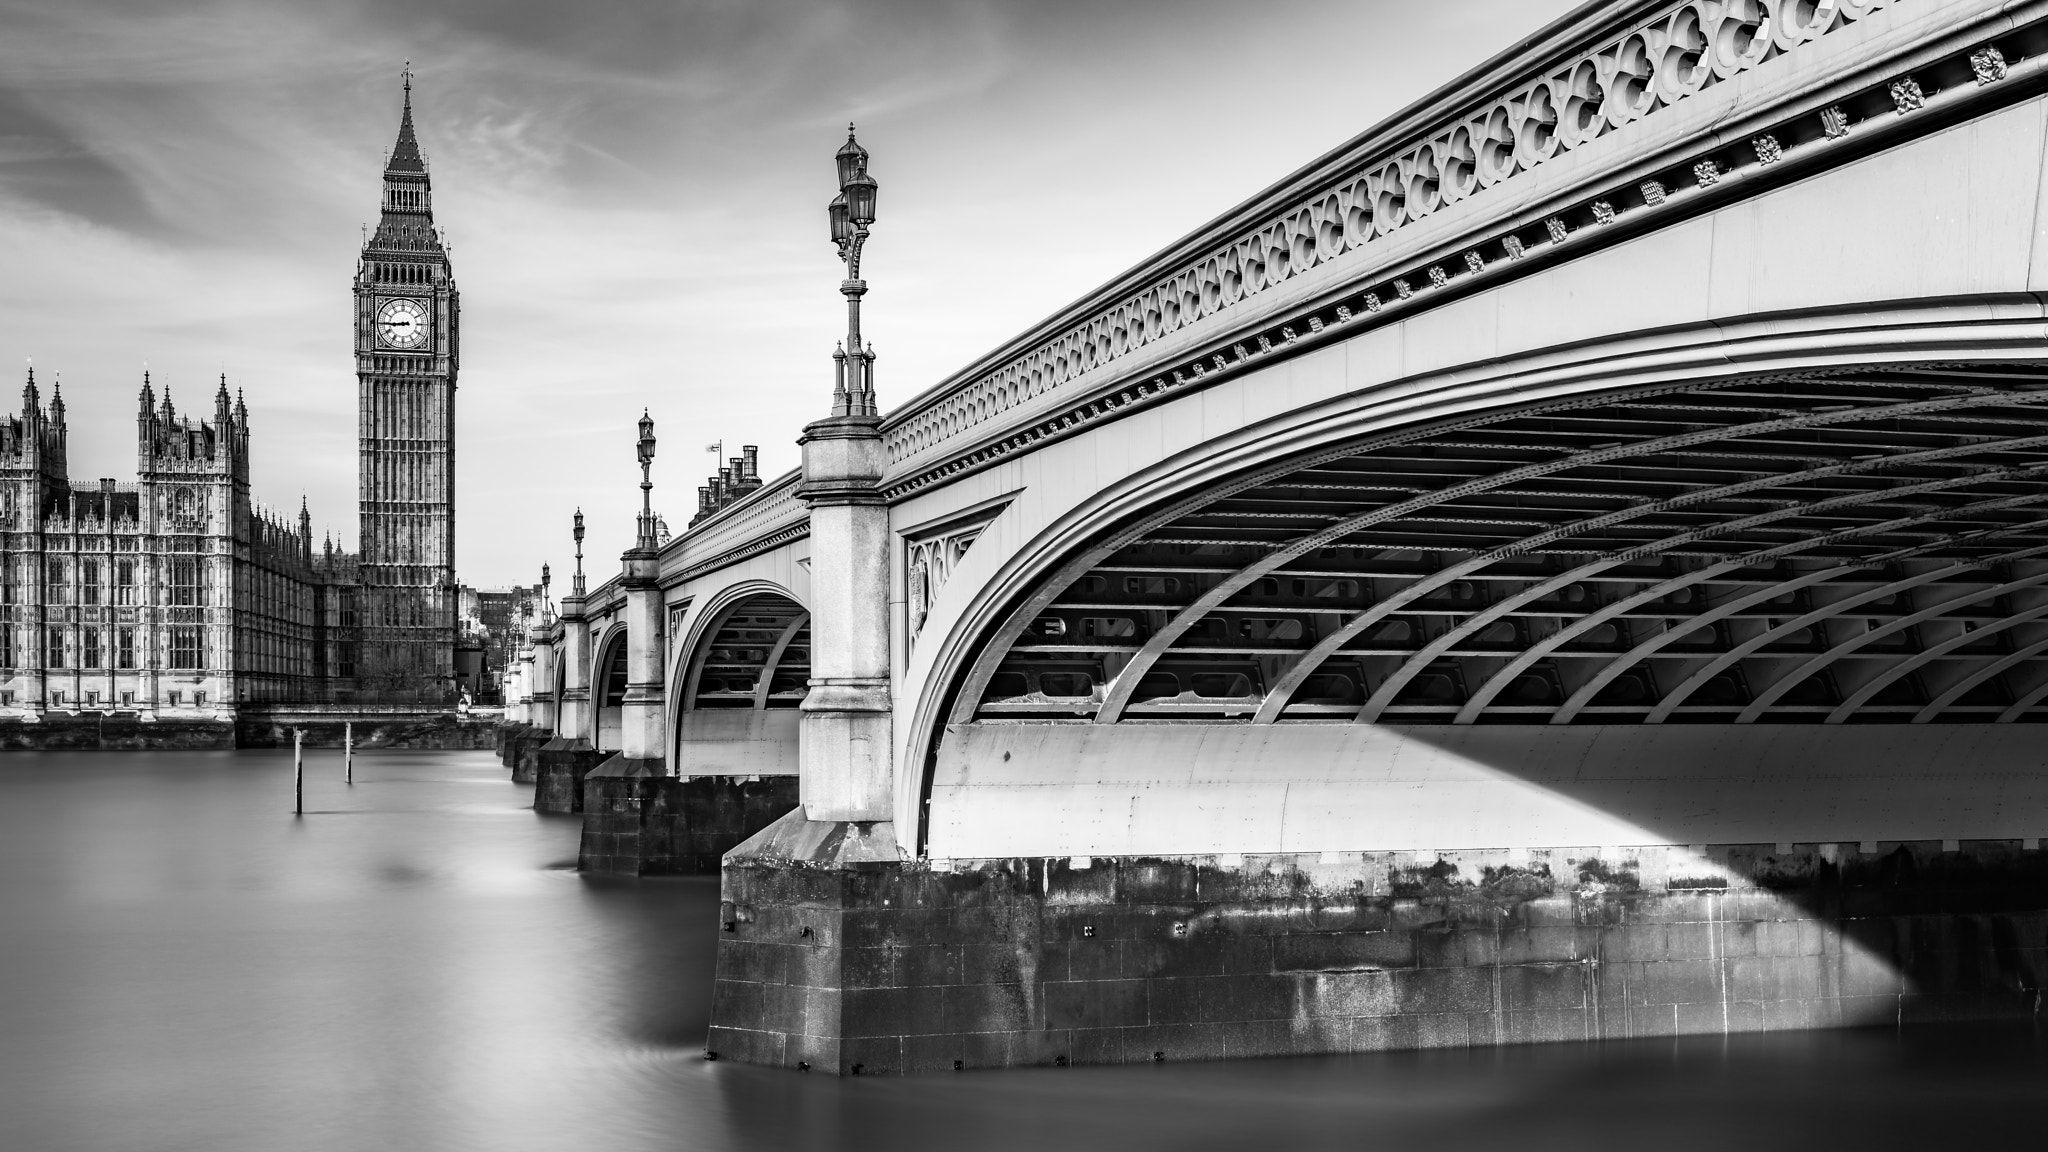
634,191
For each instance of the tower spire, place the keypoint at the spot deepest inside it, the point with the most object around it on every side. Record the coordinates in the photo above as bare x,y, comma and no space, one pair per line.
406,222
405,155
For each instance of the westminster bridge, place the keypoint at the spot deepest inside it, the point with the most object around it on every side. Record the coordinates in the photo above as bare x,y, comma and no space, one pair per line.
1571,562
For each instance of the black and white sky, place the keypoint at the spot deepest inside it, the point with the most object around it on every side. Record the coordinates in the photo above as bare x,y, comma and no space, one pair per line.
634,191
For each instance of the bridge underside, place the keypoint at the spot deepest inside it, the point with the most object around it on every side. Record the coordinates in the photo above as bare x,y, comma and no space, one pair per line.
1374,748
757,656
1838,547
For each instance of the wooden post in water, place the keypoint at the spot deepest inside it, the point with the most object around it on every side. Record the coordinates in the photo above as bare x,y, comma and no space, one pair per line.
298,776
348,751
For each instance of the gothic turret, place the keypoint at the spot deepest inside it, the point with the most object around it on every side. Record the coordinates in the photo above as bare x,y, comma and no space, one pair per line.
32,449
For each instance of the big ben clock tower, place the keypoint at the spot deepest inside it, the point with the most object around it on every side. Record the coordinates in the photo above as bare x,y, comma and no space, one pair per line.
406,325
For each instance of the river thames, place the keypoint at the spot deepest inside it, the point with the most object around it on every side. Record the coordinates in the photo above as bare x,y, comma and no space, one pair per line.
416,965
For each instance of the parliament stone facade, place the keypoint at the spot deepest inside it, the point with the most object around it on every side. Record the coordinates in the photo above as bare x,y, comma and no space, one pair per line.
177,597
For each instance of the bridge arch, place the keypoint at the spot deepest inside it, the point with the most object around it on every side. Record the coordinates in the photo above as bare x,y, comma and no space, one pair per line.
738,679
608,687
1573,552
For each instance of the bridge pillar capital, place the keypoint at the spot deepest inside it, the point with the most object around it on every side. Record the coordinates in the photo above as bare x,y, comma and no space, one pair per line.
639,568
843,461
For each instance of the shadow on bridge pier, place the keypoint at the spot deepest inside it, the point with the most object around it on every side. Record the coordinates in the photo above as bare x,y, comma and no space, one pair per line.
1692,906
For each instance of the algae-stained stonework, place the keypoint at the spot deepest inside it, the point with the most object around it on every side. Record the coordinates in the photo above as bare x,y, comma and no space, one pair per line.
875,970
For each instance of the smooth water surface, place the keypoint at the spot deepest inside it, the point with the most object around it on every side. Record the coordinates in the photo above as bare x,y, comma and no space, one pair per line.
415,965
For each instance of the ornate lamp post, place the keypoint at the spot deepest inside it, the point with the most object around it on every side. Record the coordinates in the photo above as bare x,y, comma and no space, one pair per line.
576,584
844,738
850,213
572,720
646,448
643,742
546,607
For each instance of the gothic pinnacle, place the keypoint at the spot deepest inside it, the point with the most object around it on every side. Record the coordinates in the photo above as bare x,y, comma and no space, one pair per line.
405,154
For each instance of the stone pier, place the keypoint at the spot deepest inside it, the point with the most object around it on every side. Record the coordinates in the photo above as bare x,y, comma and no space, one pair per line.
871,966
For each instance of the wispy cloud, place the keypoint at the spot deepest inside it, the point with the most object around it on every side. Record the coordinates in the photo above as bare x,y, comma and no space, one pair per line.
635,192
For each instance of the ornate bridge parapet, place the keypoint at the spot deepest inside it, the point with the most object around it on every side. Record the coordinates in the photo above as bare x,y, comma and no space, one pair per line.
1600,126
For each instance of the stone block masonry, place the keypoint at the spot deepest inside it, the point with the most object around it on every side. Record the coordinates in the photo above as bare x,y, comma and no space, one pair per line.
639,825
555,768
557,776
253,728
899,968
116,732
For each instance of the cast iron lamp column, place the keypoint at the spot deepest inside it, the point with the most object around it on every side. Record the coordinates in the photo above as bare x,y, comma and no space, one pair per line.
543,663
574,722
524,702
845,753
643,735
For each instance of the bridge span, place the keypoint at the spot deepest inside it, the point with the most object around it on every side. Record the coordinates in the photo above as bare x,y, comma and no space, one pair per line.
1570,562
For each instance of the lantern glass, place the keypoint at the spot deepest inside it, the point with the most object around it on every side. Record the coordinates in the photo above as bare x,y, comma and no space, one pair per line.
646,438
860,199
579,526
842,230
852,159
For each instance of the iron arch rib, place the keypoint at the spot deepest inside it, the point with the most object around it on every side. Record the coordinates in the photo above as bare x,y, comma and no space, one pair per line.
1284,688
1981,676
2024,704
1388,691
1815,665
1920,659
761,689
1521,663
1551,533
738,651
1676,632
1120,692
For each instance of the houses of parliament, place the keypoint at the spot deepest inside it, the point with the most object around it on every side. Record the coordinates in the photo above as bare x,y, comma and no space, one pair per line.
176,597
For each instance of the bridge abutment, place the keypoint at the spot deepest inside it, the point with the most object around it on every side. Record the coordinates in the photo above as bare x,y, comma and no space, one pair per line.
879,966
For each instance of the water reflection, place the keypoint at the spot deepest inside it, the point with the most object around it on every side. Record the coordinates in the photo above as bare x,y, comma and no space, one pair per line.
413,965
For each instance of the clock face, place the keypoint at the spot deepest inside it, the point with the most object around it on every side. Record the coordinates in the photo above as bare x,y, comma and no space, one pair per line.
402,324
